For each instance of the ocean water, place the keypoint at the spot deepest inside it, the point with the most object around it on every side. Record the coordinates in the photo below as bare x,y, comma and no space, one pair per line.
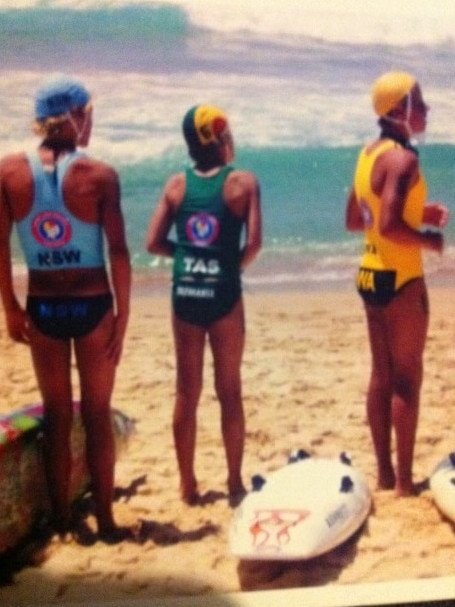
294,79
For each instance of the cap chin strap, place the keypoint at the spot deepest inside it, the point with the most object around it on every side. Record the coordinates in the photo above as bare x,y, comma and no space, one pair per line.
79,132
418,137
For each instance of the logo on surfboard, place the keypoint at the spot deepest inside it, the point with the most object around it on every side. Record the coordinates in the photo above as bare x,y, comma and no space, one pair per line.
272,528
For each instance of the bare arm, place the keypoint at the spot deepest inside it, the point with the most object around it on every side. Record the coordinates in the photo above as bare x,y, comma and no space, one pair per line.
353,215
242,195
157,241
436,215
16,318
399,169
253,221
113,225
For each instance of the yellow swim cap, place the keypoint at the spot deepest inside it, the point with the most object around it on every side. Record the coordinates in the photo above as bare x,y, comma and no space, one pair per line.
203,124
389,89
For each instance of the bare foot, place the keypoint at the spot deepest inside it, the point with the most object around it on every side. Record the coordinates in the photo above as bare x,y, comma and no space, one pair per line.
236,491
236,486
82,534
404,487
115,535
192,499
386,479
235,499
189,494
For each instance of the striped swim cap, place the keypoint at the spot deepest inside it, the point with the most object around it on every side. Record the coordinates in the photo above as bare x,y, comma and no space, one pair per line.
59,96
389,89
203,125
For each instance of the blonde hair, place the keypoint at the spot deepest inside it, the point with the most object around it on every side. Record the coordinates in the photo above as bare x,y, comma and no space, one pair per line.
50,127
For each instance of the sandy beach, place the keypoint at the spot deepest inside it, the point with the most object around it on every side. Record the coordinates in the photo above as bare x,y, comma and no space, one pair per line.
305,372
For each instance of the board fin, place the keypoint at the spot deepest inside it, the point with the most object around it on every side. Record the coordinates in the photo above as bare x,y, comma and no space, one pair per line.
297,456
347,484
345,458
257,482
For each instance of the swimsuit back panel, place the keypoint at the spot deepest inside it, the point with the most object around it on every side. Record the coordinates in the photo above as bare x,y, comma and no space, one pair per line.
51,237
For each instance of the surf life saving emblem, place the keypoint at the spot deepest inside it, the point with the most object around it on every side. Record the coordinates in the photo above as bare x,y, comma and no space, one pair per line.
51,229
202,229
272,528
367,215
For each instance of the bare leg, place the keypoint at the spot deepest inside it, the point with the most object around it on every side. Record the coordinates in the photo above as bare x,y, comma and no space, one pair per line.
97,374
51,361
189,348
227,339
397,338
379,397
408,319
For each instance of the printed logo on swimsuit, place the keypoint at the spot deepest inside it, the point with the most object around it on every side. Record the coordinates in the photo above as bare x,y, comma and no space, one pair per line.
202,229
51,229
367,215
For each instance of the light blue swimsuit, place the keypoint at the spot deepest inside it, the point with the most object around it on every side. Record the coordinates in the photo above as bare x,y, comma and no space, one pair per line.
52,238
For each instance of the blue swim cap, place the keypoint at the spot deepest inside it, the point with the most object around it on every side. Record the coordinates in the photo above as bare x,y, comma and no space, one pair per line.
59,96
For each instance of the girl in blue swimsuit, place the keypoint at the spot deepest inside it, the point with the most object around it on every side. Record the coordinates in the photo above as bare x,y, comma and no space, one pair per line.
64,204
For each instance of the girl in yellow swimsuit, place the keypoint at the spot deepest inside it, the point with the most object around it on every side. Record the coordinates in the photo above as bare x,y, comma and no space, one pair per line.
388,202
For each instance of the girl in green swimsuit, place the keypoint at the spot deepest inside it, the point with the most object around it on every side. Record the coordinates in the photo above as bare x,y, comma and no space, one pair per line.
209,205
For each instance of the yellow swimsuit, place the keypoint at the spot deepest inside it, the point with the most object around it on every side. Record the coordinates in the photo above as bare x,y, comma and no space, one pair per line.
386,265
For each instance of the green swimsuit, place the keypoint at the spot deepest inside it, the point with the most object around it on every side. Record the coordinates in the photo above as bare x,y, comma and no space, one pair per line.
206,275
